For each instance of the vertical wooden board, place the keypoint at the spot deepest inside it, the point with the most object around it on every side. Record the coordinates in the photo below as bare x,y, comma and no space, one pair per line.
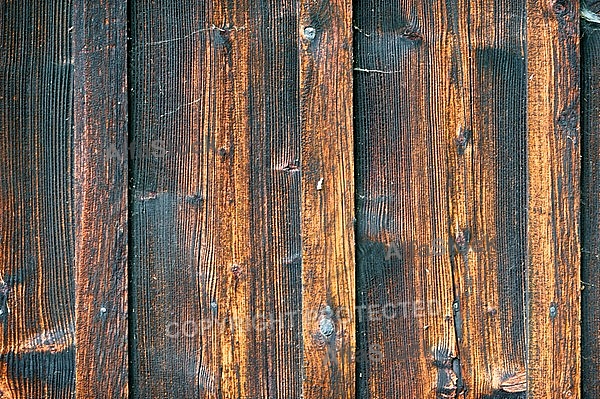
275,186
36,217
487,153
328,289
216,251
553,287
100,195
590,189
405,296
440,124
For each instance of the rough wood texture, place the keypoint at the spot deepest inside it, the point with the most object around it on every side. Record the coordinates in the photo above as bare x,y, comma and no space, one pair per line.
217,216
445,166
553,288
402,82
36,213
487,128
100,197
216,221
328,289
590,191
240,162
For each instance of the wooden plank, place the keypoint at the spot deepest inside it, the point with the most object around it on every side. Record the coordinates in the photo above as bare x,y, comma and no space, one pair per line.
441,183
553,291
328,289
402,82
100,175
590,211
216,250
488,191
36,212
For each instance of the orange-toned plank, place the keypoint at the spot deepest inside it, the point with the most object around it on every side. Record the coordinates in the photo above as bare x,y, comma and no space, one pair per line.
403,77
553,152
441,183
327,209
216,251
488,213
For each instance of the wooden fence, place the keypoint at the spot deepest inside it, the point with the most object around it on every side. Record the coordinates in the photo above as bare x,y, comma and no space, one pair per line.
299,199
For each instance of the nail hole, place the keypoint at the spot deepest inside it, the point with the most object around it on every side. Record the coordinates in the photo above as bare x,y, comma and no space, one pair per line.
553,310
310,33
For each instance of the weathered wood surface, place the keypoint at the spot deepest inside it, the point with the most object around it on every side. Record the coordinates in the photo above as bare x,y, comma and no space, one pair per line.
213,160
327,199
63,235
590,205
405,297
100,197
466,124
238,249
37,291
553,162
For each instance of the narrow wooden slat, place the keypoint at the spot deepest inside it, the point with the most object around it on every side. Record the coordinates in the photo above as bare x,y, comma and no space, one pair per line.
328,289
486,136
216,258
100,197
590,190
274,170
402,94
36,218
441,183
553,291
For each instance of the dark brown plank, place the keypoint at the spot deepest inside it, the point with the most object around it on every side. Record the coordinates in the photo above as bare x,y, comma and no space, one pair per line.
553,149
216,250
100,174
487,133
37,356
590,210
403,105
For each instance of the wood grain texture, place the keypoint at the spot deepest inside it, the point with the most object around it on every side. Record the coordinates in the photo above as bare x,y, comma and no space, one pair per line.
216,250
465,197
247,121
486,133
37,353
590,189
328,289
553,149
440,91
402,107
100,196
